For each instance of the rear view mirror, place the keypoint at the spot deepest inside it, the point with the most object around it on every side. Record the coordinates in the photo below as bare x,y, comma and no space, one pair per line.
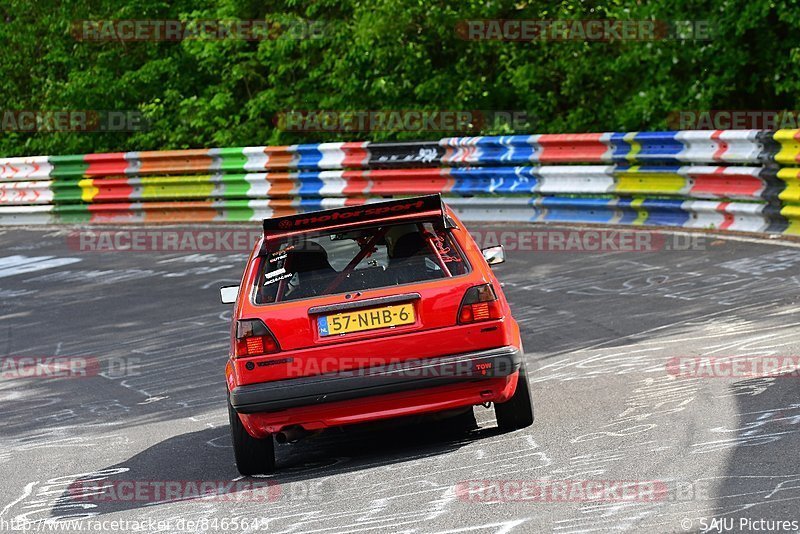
228,294
494,255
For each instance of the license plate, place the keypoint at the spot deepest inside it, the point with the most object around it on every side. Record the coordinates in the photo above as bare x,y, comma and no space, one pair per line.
371,319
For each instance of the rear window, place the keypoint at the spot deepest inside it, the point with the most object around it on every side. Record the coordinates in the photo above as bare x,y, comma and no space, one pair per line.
327,263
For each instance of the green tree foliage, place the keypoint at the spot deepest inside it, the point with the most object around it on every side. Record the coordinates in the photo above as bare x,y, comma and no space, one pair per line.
383,55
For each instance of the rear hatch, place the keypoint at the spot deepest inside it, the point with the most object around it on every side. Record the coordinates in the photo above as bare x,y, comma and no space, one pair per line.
347,289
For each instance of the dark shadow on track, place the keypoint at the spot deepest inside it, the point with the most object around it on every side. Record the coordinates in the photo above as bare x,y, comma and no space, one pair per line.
207,456
757,484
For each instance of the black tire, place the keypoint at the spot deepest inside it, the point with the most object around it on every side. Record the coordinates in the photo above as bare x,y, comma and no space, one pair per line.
253,456
516,412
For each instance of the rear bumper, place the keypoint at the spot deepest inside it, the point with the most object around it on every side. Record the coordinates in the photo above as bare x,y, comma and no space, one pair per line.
405,376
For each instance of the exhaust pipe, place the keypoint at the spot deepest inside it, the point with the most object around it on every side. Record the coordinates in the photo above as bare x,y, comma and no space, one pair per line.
291,434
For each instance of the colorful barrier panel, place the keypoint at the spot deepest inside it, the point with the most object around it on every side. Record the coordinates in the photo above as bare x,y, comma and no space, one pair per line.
745,180
694,181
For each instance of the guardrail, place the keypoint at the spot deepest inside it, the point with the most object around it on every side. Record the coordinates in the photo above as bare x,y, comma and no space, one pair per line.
725,179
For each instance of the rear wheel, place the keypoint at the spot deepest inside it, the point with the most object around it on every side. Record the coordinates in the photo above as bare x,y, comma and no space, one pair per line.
253,456
516,412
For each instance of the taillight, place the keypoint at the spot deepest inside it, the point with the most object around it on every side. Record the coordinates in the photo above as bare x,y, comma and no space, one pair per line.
480,304
253,338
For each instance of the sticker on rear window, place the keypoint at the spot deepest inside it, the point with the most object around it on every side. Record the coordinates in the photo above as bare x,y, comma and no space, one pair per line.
278,279
276,276
281,254
276,272
444,249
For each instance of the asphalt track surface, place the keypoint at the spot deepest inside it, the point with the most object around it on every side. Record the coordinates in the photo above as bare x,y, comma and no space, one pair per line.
598,328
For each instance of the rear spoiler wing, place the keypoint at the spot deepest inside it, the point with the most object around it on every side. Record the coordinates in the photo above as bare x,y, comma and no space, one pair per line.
351,216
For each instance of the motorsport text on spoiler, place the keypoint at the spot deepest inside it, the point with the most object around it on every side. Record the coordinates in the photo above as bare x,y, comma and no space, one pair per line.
429,205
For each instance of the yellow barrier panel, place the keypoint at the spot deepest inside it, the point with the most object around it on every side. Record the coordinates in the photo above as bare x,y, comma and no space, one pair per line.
176,187
792,215
633,181
792,178
790,146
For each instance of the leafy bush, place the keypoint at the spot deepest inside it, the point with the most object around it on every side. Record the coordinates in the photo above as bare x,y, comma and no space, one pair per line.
383,55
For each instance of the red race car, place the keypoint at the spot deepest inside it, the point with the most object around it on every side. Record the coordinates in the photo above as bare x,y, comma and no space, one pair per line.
363,313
